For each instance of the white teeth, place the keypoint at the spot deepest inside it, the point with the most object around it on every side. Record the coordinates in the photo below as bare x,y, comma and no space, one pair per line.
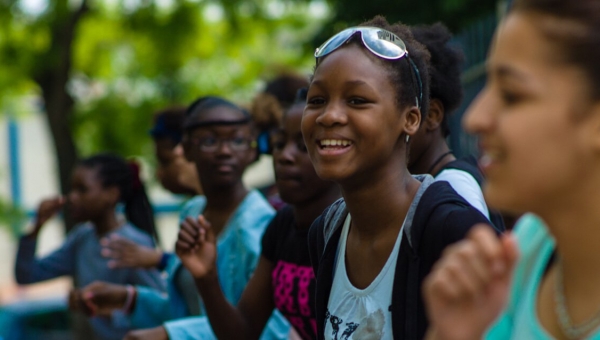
335,142
485,160
489,157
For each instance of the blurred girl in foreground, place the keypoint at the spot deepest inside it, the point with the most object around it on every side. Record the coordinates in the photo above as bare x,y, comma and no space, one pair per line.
538,120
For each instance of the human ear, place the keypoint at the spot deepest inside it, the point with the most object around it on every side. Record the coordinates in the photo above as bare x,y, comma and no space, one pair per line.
113,193
412,121
435,116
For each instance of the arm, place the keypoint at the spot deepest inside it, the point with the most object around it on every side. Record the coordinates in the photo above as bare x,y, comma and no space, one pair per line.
150,278
459,222
152,308
28,269
197,250
125,253
136,253
148,307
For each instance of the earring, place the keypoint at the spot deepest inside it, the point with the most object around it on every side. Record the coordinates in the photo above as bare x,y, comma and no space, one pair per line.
407,138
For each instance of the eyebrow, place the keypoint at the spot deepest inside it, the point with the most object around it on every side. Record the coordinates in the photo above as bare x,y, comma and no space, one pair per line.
353,83
505,71
356,83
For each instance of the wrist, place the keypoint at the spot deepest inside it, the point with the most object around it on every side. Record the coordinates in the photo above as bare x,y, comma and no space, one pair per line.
162,260
130,299
209,279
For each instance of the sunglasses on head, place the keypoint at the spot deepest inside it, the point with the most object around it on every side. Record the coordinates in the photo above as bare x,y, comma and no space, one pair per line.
382,43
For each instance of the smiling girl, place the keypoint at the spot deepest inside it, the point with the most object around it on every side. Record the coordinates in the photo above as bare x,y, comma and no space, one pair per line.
538,119
371,249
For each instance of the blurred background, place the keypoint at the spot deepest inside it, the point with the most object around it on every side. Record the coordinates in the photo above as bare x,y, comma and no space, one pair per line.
82,76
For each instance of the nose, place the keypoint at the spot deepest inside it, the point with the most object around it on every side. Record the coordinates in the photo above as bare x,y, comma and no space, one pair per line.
333,114
223,149
482,113
287,155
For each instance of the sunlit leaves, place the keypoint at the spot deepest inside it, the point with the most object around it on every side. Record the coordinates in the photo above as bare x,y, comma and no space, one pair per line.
127,66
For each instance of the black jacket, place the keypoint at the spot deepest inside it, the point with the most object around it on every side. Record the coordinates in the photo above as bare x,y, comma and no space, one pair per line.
442,217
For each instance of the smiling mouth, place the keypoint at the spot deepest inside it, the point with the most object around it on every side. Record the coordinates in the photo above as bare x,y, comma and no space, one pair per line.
489,158
334,144
288,180
224,168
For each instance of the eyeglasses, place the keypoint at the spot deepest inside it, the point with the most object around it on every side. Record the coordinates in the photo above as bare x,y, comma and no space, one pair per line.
382,43
212,144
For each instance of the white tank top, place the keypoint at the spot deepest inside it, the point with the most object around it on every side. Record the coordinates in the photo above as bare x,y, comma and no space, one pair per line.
354,313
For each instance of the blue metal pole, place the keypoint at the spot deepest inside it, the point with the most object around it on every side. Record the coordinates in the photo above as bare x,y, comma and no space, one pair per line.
14,162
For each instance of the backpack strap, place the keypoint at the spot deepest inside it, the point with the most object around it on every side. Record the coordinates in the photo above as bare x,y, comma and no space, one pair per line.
334,216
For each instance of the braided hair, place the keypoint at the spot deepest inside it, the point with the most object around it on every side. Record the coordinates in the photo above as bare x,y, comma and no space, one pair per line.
113,170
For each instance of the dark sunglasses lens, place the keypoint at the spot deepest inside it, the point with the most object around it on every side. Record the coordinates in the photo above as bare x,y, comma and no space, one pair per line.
334,42
383,44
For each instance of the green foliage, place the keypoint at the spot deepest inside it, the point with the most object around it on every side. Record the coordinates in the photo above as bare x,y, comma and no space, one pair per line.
126,66
130,58
11,217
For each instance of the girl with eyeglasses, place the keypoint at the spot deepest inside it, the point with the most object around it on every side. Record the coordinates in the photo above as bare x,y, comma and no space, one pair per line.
371,250
220,139
538,121
284,278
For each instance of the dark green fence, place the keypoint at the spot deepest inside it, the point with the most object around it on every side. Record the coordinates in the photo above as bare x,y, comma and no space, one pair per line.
475,42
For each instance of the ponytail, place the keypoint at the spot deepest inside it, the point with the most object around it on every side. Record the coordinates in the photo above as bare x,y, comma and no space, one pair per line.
115,171
138,209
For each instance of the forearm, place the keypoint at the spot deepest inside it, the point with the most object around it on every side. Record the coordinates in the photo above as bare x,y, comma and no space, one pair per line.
226,320
26,267
25,258
151,308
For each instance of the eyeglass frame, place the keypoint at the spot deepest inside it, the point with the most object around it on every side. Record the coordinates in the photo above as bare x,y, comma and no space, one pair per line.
197,142
396,41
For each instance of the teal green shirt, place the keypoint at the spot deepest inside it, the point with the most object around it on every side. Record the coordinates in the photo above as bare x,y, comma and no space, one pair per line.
519,319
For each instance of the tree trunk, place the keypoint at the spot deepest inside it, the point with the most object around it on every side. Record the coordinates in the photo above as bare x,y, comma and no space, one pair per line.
52,77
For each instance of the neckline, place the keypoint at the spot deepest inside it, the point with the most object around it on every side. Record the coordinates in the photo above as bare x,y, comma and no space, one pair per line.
541,268
341,259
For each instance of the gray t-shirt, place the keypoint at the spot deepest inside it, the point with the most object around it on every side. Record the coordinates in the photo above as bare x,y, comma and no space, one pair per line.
79,256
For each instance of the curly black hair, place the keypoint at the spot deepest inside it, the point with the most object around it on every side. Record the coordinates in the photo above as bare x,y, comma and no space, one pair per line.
445,67
401,71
